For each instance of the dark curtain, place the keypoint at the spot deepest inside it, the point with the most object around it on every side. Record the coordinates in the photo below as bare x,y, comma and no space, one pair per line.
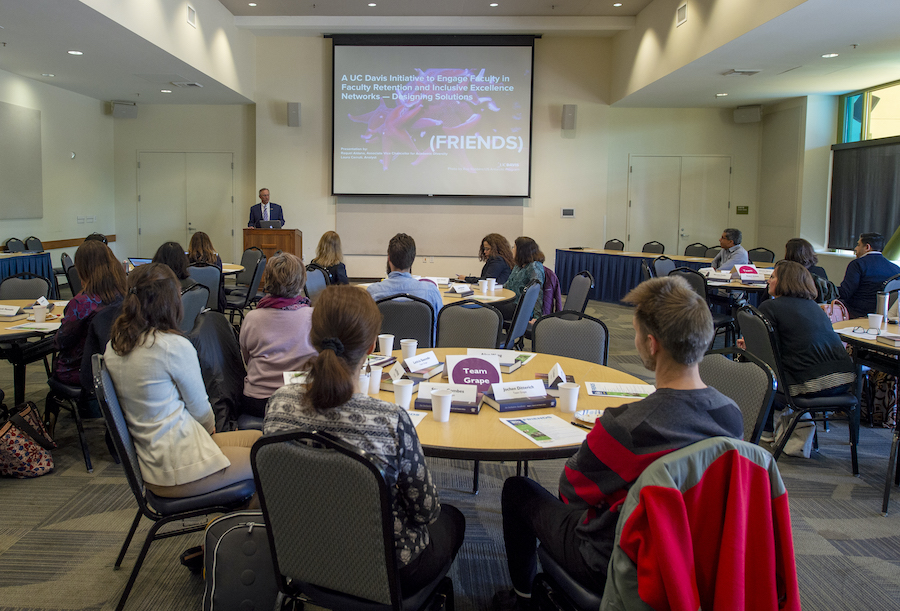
865,191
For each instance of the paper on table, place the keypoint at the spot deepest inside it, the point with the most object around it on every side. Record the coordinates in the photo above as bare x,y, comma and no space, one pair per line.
606,389
479,297
547,431
416,417
45,327
506,356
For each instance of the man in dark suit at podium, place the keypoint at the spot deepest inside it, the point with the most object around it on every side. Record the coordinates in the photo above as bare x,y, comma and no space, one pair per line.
264,211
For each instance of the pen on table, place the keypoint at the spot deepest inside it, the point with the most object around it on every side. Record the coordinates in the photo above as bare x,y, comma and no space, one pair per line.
582,426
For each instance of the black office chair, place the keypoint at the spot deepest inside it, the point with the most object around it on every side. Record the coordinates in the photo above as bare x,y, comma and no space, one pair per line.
759,335
33,244
14,245
572,334
193,301
242,279
333,544
712,252
760,255
654,247
721,321
518,325
646,272
663,266
469,324
211,277
750,383
161,510
236,302
614,244
409,317
317,279
695,250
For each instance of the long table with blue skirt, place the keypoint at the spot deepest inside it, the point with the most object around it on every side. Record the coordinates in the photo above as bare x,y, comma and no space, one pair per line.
615,272
37,263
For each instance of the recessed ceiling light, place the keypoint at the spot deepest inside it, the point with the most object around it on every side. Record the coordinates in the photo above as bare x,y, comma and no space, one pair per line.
74,52
617,4
830,55
252,4
372,4
494,4
721,95
48,75
165,91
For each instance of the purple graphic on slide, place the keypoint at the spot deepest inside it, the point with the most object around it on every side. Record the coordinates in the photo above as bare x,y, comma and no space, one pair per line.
440,110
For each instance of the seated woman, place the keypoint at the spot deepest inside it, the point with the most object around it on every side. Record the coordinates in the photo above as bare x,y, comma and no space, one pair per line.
103,284
529,266
158,381
498,258
172,254
330,256
275,336
802,252
345,326
201,253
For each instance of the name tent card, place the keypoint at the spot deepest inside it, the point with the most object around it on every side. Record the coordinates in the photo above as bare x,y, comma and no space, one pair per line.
480,371
397,371
555,376
422,361
747,273
465,393
519,390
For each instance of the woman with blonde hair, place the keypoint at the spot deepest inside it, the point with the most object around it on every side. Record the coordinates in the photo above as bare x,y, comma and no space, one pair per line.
498,259
157,377
345,325
330,256
275,336
201,254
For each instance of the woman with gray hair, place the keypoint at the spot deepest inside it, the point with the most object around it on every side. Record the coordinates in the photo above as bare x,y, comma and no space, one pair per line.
275,336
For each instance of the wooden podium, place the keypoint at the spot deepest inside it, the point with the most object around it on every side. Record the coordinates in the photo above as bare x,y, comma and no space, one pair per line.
272,240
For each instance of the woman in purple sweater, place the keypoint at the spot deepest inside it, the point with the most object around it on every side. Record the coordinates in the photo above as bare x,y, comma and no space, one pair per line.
275,336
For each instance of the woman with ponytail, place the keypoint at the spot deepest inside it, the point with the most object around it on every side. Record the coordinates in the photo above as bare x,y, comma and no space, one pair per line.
345,327
157,377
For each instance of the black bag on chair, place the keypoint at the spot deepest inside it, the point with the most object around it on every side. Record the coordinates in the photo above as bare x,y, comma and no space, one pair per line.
238,564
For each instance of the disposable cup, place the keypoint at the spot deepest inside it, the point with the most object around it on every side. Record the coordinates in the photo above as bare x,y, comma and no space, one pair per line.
492,283
403,389
40,313
568,397
408,347
440,405
375,380
874,321
386,344
363,382
483,286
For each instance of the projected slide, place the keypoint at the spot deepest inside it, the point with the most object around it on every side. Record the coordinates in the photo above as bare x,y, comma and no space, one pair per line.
440,120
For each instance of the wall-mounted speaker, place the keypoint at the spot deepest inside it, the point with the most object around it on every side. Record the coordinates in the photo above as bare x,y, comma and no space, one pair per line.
568,116
748,114
293,114
124,110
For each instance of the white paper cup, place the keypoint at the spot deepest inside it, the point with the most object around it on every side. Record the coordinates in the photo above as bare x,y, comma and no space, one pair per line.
408,347
40,313
483,286
363,382
440,405
403,389
386,344
375,380
568,397
492,282
874,320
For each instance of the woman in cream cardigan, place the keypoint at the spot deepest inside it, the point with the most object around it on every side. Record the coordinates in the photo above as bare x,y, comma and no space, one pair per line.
157,377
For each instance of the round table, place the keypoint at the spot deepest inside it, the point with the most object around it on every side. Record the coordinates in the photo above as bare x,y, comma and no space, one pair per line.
12,350
484,437
231,268
489,297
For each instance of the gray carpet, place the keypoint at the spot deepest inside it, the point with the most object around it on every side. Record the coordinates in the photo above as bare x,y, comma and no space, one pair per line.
59,534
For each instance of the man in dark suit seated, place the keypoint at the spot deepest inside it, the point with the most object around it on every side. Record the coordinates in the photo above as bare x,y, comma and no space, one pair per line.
264,211
865,275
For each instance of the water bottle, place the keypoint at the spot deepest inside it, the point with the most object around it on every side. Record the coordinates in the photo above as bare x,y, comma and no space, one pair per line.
882,303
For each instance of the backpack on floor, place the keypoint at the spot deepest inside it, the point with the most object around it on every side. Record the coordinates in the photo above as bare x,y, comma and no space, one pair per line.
879,399
238,565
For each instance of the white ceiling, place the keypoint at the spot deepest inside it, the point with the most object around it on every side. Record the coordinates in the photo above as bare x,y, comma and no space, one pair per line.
118,64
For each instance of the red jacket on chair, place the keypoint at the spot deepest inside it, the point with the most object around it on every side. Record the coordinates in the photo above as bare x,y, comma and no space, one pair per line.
706,527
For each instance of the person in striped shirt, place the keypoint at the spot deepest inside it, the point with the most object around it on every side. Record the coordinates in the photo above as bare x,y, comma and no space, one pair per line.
672,330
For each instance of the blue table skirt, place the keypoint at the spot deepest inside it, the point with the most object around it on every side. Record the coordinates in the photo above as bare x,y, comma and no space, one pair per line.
38,264
614,275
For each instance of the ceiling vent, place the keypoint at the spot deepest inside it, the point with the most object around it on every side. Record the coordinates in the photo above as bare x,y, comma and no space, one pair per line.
735,72
187,84
681,15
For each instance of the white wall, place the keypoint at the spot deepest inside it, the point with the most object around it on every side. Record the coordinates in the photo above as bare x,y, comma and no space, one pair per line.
781,173
820,133
184,128
82,186
683,131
